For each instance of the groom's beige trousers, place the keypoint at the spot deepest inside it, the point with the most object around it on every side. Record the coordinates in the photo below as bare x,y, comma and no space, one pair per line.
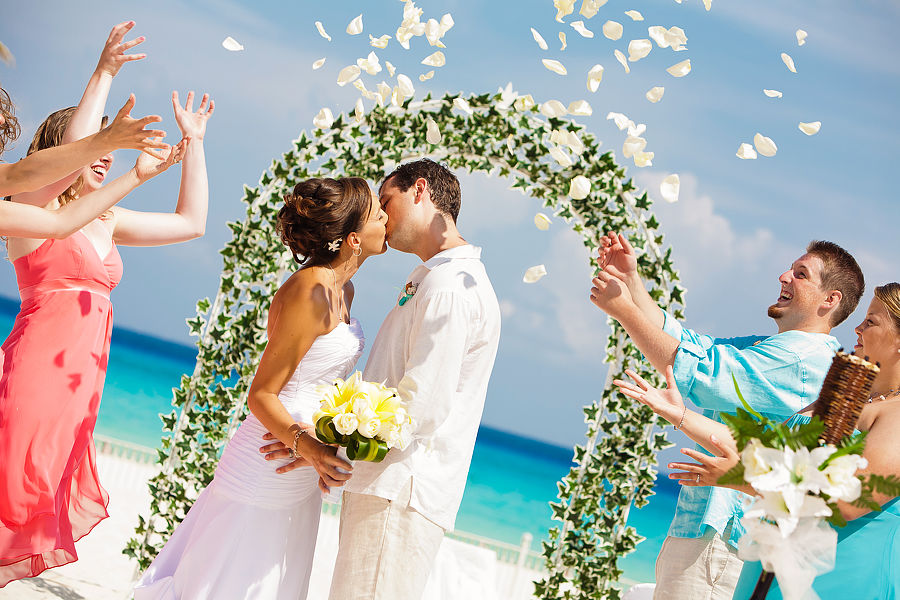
386,549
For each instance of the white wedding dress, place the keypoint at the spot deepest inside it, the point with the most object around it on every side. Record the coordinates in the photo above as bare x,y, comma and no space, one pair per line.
251,534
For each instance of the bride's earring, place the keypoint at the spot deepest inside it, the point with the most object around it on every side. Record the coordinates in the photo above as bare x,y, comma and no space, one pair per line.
357,251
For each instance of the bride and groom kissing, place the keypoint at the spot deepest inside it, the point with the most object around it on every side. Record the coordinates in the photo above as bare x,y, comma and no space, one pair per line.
251,534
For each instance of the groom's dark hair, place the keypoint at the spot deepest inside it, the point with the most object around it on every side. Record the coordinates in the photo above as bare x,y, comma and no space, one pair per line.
442,183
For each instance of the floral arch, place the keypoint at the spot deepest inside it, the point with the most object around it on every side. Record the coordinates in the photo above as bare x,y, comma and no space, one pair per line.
541,153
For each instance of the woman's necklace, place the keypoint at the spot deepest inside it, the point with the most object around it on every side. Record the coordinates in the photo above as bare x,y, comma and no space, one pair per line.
884,396
339,294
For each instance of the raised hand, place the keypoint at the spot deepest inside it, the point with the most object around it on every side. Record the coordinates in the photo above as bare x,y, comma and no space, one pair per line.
113,55
193,124
667,402
610,294
708,469
128,132
153,162
617,257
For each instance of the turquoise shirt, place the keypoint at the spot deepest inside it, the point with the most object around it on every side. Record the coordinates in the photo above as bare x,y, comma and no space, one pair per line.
778,375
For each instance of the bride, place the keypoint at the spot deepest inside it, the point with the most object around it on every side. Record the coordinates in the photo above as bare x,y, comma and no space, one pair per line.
252,531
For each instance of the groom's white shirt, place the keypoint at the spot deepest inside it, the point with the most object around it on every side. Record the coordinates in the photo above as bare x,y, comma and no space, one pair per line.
438,350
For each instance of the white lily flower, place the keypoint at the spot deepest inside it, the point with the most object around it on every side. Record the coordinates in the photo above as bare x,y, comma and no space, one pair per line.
542,221
426,76
841,481
231,44
595,76
355,26
435,60
321,29
554,65
811,128
553,109
534,273
581,29
788,62
638,49
621,58
787,511
432,132
323,119
379,42
746,152
539,39
463,105
318,64
579,187
681,69
801,37
764,145
670,187
655,94
772,93
612,30
347,75
635,15
589,8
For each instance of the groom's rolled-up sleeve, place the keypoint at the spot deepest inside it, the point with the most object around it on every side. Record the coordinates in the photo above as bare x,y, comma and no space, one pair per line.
438,341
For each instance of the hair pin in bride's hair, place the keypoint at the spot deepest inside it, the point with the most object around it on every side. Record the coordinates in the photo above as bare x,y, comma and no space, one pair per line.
335,245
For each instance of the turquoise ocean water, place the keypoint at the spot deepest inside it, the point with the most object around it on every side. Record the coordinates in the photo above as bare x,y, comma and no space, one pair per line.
511,481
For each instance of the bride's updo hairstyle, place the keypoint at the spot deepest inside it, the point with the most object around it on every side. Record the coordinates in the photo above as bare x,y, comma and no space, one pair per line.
319,215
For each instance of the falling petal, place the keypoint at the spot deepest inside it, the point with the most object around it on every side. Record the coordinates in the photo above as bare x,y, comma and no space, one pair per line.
560,157
773,93
801,37
746,152
356,26
764,145
580,108
595,76
446,23
553,109
621,58
390,67
810,128
406,86
681,69
426,76
655,94
589,8
707,4
358,84
523,102
435,60
554,65
633,145
539,38
562,40
432,133
620,120
347,75
321,30
379,42
359,112
542,221
581,29
463,105
659,35
370,64
635,15
563,8
534,273
636,130
643,159
638,49
384,93
231,44
579,187
612,30
676,38
6,55
788,62
318,64
669,188
433,33
324,119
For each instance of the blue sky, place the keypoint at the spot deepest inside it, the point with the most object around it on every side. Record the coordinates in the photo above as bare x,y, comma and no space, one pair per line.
737,225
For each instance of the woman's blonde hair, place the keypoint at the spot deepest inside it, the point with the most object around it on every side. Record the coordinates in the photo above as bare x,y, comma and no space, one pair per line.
889,294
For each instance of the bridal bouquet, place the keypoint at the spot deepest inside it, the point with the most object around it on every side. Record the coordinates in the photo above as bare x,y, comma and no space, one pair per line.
798,483
366,418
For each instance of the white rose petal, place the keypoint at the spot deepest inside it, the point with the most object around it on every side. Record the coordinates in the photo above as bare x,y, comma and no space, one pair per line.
562,40
396,96
620,120
426,76
379,42
345,423
542,221
579,187
633,145
432,132
658,35
707,4
539,39
638,49
810,128
358,84
595,76
321,30
788,62
676,38
580,108
355,26
621,58
643,159
323,119
433,33
359,111
581,29
369,428
681,69
347,75
589,8
801,37
463,105
446,23
553,109
772,93
523,102
231,44
554,65
636,130
405,86
612,30
559,156
563,8
369,64
764,145
746,152
655,94
534,273
669,188
635,15
390,67
384,93
318,64
435,60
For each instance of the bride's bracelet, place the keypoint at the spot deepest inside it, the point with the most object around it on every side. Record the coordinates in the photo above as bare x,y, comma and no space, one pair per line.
293,449
677,427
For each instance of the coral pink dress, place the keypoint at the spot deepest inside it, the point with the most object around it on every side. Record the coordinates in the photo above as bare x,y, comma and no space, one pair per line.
54,366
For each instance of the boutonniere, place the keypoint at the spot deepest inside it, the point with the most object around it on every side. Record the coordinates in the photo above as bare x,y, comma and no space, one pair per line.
408,292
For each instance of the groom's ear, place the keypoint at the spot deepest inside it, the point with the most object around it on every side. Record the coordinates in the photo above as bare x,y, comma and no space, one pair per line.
421,186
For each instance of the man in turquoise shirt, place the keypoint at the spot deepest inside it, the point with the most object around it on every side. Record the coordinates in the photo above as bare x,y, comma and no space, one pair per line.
778,375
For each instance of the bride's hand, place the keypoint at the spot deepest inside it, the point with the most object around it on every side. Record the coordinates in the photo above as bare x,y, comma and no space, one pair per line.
278,451
666,402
